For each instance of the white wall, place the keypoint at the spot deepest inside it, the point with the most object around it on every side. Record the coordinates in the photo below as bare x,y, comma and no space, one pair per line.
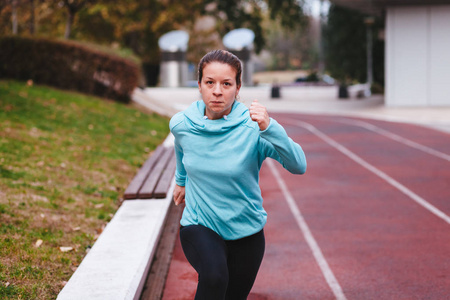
439,85
418,56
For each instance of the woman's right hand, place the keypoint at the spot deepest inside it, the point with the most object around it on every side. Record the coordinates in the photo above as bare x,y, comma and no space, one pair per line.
178,194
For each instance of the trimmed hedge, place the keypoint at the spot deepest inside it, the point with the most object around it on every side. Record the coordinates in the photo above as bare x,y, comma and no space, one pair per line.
68,65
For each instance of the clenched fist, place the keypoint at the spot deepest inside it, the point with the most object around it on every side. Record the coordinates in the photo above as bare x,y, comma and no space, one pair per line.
259,114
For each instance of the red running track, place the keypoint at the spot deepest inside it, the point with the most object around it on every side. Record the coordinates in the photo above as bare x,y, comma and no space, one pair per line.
368,220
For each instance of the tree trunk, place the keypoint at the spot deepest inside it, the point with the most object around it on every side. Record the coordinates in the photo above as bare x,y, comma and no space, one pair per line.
32,18
286,59
69,24
14,16
72,8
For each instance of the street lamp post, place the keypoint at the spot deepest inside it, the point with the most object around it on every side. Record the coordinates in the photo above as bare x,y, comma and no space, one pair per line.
369,22
321,68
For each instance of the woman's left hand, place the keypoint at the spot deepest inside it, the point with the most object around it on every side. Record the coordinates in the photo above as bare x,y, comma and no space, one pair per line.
259,114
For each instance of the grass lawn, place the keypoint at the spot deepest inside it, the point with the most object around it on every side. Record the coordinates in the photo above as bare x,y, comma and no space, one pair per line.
65,161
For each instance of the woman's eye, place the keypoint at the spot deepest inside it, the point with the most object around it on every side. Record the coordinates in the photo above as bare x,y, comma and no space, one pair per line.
209,82
227,84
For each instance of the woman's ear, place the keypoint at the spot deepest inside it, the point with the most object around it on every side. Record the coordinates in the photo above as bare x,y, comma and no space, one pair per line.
199,87
237,92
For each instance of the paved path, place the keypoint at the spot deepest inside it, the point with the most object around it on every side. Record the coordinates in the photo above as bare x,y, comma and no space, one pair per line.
311,100
369,220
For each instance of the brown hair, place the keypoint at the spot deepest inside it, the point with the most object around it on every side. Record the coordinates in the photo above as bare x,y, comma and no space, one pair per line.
224,57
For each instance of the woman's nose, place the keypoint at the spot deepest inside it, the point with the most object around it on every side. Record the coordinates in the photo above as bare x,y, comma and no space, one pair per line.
217,89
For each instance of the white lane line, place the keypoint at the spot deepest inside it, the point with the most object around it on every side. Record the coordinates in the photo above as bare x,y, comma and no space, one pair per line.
373,169
320,259
395,137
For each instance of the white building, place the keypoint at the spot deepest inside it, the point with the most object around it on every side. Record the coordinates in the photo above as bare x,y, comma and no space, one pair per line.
417,49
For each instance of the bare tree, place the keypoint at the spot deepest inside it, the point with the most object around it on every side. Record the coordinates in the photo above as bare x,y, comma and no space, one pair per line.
14,4
73,6
31,24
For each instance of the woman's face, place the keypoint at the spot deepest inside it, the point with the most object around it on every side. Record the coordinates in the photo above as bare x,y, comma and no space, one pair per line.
218,88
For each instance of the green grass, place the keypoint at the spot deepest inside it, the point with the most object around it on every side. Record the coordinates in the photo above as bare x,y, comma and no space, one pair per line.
65,160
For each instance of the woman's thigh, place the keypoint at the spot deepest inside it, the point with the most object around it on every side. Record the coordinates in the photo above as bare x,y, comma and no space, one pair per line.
205,250
244,259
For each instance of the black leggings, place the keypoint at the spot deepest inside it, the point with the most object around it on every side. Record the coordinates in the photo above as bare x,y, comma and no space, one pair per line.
226,269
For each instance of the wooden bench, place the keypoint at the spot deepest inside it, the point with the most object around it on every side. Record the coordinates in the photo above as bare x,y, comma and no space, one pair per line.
154,177
118,264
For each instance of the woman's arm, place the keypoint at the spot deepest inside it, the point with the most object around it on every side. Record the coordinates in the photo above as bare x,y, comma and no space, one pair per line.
275,142
180,173
180,177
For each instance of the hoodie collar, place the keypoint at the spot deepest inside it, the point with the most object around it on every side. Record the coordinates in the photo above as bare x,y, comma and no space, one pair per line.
196,121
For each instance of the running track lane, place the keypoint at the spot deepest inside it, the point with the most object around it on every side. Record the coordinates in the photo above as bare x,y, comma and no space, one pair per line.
377,241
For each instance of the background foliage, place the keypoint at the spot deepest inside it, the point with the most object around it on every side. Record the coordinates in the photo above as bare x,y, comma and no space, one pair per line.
138,24
345,46
281,27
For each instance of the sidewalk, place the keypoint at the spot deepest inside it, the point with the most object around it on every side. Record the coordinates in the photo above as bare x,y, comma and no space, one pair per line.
303,99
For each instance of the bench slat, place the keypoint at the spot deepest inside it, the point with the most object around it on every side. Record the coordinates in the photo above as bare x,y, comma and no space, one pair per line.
146,191
133,189
166,178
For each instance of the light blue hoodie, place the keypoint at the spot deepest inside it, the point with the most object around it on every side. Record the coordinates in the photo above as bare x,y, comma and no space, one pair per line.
219,161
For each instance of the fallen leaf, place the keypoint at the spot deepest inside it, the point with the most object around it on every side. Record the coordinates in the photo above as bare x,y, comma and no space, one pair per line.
100,230
38,243
65,249
76,228
7,284
100,205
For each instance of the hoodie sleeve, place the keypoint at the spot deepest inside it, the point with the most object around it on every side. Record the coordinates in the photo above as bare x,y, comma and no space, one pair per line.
180,173
276,144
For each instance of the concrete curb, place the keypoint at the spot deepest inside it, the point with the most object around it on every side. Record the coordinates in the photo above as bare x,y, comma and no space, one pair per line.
117,265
